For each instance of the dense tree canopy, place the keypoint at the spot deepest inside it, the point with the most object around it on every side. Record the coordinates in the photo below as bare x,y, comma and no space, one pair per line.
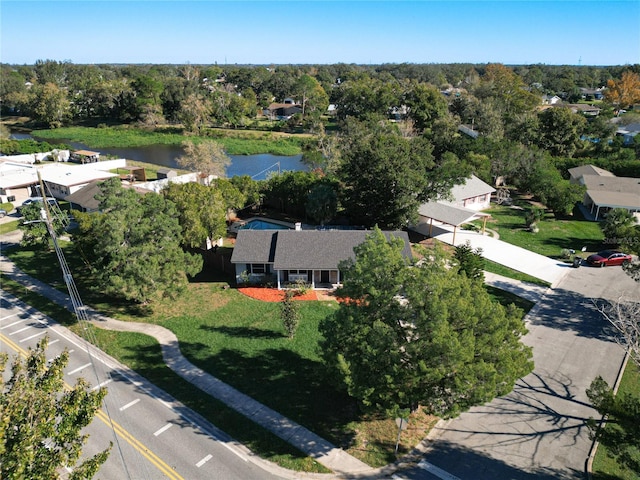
387,176
201,211
35,232
41,422
409,335
133,245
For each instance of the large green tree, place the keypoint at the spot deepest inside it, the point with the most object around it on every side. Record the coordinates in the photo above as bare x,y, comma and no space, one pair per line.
363,96
201,211
426,105
419,335
41,422
311,95
387,176
35,232
619,227
207,157
50,105
133,245
507,88
560,131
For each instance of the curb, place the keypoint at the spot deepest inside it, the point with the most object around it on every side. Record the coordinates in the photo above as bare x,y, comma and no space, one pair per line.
603,421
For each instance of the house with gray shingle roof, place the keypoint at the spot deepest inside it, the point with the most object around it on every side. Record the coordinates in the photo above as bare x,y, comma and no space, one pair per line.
605,191
284,257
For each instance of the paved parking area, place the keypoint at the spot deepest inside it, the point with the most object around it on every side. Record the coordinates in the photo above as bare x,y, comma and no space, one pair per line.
538,430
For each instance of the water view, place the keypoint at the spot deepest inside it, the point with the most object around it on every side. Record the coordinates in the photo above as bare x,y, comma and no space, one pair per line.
257,167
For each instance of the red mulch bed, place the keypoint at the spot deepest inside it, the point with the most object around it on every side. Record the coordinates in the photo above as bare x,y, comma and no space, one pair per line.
273,294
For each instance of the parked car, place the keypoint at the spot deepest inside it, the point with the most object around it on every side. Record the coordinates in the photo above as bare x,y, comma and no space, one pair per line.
608,257
3,213
52,202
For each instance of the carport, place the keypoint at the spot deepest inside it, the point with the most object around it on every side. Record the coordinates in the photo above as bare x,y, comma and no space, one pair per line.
448,215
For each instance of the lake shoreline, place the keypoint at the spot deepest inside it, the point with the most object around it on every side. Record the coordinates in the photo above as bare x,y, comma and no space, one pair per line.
258,166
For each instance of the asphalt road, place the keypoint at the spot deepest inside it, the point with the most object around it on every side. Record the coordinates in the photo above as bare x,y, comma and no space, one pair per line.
154,436
538,430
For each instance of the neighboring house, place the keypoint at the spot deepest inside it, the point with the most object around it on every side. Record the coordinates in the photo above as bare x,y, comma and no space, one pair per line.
16,182
605,191
551,99
595,93
629,132
84,199
62,182
473,194
282,111
588,110
285,257
466,201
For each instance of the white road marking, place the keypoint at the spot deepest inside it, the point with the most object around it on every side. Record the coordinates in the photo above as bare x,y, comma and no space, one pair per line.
78,369
9,316
130,404
21,330
55,340
102,384
204,460
163,429
438,472
32,336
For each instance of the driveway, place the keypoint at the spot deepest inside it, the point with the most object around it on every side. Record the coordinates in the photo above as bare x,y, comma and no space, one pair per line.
538,430
506,254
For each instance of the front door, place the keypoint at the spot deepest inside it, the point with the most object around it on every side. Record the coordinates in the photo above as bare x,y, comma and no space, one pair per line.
324,276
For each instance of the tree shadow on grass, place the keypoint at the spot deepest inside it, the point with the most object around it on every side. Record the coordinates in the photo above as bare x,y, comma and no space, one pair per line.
574,243
288,383
245,332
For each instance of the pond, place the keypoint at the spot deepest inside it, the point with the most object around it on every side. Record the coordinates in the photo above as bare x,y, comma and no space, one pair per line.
257,167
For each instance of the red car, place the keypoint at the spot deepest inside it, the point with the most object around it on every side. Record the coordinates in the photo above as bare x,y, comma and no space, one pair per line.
608,257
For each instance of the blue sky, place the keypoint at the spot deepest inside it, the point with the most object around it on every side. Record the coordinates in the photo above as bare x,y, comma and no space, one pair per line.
596,32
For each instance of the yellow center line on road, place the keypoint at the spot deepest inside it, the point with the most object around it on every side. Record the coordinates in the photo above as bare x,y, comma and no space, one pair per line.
119,430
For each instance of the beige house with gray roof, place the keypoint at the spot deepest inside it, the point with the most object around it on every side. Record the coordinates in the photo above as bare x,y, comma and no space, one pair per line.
605,191
465,205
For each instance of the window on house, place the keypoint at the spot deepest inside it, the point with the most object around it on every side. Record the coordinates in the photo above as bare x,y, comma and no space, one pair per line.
258,268
482,198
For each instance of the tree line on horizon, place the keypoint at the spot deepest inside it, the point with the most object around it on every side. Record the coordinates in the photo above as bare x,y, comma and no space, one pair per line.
56,93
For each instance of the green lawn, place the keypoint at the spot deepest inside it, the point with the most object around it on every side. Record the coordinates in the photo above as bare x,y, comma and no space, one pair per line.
241,341
142,354
554,235
8,226
505,271
604,466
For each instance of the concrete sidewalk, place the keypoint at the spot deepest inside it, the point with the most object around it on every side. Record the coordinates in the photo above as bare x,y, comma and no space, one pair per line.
526,290
303,439
517,258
